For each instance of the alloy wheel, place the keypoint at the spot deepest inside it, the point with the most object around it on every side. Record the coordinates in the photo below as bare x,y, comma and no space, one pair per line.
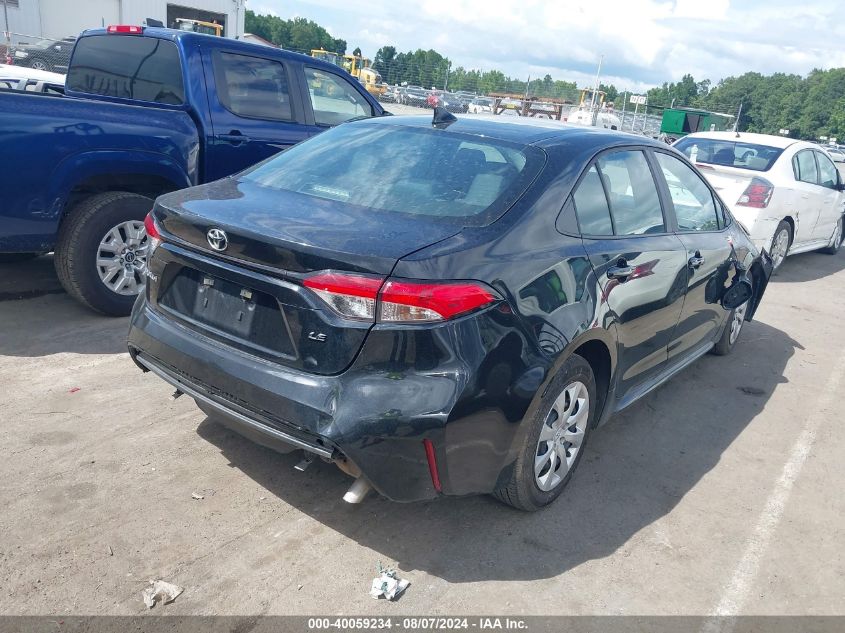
837,235
780,246
122,257
737,319
39,65
562,436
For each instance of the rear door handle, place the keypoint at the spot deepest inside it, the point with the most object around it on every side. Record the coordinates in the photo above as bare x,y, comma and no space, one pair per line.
695,261
620,272
234,137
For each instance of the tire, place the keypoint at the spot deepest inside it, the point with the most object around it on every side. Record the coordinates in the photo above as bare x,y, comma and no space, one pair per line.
530,491
39,64
778,244
731,331
80,246
13,258
837,240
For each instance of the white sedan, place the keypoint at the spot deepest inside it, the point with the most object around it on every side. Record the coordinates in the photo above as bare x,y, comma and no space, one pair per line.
787,194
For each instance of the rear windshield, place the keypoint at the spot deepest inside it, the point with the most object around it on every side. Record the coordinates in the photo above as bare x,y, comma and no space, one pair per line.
729,153
127,66
416,171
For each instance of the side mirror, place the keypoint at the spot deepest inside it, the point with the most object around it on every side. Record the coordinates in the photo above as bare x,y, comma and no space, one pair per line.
739,292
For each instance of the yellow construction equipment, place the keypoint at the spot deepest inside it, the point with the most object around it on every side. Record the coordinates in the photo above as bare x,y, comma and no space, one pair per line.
199,26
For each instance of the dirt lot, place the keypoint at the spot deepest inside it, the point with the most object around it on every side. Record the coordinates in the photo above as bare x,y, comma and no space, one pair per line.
719,493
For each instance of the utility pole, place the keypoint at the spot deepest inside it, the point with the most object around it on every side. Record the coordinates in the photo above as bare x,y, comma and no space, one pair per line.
446,81
595,91
624,105
6,31
738,114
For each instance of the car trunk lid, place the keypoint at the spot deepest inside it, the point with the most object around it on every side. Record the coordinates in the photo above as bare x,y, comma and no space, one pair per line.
248,293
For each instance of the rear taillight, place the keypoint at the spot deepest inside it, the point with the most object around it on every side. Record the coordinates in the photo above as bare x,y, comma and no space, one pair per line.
153,233
757,194
398,300
352,296
128,29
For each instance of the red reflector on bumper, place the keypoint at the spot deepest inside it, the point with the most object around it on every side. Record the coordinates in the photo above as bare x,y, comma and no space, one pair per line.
432,465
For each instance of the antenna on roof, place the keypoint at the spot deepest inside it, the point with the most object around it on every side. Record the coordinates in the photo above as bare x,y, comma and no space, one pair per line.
442,118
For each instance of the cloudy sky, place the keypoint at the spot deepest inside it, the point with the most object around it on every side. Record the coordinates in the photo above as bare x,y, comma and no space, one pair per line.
644,42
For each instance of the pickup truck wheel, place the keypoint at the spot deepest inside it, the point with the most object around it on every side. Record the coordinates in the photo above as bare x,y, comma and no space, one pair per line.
101,253
556,438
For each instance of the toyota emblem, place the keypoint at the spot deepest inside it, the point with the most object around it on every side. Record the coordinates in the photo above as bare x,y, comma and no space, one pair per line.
217,239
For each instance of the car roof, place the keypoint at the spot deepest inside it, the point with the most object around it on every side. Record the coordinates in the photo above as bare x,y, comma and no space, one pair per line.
525,130
781,142
199,39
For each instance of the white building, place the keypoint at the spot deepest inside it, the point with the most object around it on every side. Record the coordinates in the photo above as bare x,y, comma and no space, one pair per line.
55,19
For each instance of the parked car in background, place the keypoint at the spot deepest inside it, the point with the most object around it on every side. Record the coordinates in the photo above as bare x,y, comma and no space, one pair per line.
445,100
787,194
480,105
447,328
148,111
413,96
49,55
30,80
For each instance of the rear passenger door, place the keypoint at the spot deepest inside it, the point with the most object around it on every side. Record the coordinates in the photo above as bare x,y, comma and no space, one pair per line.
701,225
810,199
640,264
255,110
831,198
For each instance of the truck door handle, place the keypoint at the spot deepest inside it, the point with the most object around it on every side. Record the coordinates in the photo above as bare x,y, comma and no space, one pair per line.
234,137
621,271
696,260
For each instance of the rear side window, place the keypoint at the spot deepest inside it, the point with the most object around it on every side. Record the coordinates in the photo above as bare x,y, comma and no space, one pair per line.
252,87
334,99
631,192
129,67
828,176
695,207
804,166
617,196
729,153
591,205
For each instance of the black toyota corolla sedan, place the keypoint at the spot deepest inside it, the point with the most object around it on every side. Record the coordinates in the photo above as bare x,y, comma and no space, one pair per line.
442,306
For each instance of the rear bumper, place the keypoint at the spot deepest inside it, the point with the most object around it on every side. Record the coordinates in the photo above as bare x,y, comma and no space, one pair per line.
375,415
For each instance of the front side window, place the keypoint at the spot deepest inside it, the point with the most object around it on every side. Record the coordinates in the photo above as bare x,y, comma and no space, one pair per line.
334,99
695,208
252,87
128,66
631,192
804,166
828,176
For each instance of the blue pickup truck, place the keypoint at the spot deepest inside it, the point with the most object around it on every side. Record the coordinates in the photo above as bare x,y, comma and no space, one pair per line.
147,111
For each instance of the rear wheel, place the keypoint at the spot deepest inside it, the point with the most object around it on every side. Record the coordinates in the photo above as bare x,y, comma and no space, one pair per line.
730,335
556,439
781,242
38,64
101,254
836,240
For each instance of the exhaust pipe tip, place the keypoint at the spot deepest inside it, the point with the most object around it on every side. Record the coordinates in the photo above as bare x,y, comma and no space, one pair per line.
357,491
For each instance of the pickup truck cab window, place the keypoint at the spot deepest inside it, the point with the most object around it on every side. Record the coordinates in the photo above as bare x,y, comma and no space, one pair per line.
694,204
334,98
253,87
128,67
